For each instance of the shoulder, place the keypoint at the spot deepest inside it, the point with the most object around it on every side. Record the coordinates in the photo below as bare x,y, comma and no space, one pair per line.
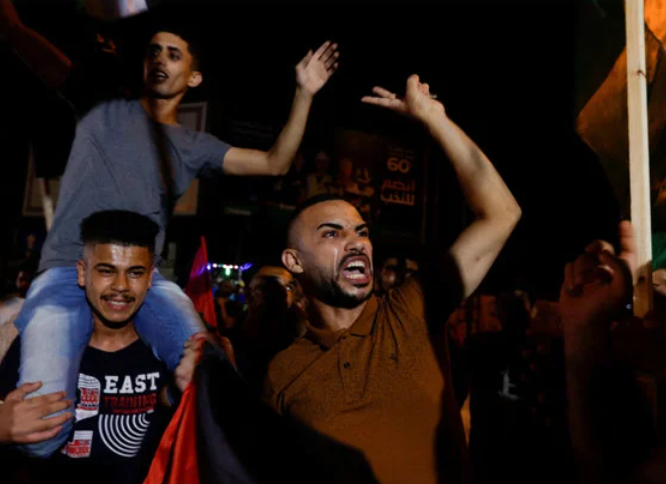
407,296
428,295
113,108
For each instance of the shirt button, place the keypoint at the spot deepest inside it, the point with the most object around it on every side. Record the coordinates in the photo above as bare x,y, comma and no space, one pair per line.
346,365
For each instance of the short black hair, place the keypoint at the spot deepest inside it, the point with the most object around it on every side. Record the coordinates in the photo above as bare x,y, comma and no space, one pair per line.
186,31
303,206
119,227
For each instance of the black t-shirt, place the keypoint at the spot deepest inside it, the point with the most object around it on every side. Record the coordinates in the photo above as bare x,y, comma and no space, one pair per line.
118,418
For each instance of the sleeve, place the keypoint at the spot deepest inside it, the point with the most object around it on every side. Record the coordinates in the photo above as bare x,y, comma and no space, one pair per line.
210,153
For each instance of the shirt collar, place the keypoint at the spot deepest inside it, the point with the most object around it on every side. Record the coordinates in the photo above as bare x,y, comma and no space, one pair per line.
361,327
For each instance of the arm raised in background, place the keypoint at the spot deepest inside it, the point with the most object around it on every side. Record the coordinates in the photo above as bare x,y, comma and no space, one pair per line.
496,212
44,59
608,429
312,73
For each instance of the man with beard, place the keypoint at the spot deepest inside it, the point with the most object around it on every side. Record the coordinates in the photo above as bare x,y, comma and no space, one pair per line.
365,372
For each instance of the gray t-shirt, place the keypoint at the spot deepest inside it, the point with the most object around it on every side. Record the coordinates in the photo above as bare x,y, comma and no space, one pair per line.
114,164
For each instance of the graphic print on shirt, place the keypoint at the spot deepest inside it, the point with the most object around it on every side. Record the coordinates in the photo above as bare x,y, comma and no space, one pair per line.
90,391
123,434
80,445
122,404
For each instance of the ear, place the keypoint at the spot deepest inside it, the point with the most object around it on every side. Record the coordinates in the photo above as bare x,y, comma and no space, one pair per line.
291,261
81,273
195,79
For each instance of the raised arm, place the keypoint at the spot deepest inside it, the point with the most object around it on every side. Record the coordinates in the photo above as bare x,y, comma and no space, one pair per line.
44,59
312,73
495,210
607,427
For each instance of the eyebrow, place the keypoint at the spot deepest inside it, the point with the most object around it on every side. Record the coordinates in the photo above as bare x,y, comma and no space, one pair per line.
104,265
330,225
170,48
340,227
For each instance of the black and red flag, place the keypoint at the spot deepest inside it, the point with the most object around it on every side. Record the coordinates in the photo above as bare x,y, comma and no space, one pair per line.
223,433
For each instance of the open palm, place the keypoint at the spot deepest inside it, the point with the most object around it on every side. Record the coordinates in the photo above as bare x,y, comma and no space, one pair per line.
417,103
314,70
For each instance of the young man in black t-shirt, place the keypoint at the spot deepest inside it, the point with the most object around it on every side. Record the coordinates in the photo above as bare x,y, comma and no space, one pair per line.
122,394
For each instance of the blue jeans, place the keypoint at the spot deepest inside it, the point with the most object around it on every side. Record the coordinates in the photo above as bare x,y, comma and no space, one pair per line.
56,323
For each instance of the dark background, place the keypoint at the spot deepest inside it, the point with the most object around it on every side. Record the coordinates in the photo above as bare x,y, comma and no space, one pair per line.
505,71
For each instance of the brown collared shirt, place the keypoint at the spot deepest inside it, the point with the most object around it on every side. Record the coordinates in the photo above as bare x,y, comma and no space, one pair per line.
378,386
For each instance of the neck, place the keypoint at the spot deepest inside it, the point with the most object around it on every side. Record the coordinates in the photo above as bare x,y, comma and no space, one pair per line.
334,318
162,110
105,338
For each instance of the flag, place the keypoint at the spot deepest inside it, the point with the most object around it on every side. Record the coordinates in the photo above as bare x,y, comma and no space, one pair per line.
601,94
199,288
223,433
175,461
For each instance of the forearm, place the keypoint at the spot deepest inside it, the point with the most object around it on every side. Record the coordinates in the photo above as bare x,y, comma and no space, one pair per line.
586,358
608,428
282,154
496,211
43,58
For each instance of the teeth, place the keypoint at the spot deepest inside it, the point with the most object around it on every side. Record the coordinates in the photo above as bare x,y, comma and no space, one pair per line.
356,263
355,276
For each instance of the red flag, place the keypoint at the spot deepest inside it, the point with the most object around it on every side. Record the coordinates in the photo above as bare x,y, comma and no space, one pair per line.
175,460
200,288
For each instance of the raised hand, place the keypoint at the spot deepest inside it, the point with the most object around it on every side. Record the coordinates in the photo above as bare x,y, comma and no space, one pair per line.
184,372
418,103
22,420
599,283
188,362
315,69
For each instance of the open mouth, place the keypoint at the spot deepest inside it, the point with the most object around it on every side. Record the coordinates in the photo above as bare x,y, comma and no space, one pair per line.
157,75
357,270
118,304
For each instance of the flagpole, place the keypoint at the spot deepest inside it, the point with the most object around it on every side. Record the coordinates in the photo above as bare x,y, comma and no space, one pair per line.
639,153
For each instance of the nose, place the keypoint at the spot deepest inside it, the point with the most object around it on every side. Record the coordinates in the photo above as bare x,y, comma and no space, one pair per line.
356,243
156,58
120,282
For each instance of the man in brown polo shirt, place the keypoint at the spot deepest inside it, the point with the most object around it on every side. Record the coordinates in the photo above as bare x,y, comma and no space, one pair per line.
366,373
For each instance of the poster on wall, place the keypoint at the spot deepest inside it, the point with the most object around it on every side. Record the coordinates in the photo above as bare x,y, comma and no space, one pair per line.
384,179
190,115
